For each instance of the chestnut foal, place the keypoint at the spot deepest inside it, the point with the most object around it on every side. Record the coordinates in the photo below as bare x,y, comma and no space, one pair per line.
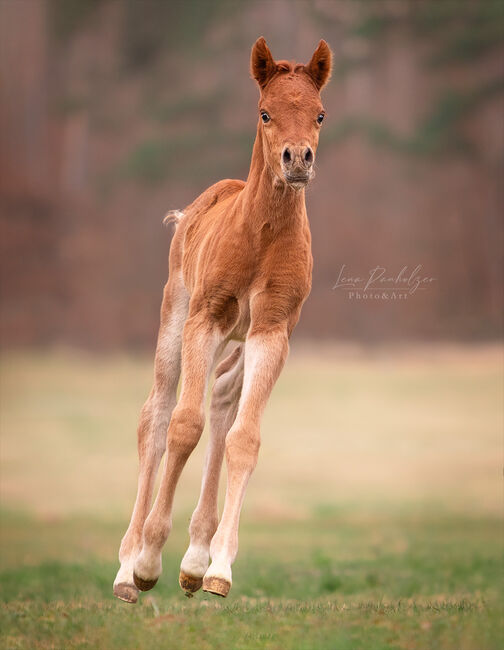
240,268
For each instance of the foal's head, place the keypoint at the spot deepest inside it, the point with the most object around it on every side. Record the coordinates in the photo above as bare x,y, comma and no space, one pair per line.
290,110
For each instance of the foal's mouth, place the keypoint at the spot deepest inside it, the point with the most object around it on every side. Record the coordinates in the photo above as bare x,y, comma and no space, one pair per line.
298,181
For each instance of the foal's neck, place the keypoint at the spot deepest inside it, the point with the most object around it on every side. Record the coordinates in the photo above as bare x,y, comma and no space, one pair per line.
267,198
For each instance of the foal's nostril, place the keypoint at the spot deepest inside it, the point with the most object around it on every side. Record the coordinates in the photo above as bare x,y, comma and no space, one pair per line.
308,156
286,156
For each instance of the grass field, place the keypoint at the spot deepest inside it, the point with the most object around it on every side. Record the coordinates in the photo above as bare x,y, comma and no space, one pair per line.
373,520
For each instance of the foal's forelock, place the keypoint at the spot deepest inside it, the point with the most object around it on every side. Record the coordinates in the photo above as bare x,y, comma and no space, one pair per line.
290,67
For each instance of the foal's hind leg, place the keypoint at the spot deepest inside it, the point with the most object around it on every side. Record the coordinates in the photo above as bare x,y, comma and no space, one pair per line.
202,341
154,420
224,405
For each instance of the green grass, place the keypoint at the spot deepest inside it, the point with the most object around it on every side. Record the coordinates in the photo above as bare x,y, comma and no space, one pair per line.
373,519
336,581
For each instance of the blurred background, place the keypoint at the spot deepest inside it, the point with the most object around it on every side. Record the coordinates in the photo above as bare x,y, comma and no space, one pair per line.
115,111
380,467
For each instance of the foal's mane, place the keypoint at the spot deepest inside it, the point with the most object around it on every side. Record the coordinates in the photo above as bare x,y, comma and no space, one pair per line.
287,67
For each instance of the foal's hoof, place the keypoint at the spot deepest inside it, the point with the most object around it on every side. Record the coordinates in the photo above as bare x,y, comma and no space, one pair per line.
217,586
143,585
188,583
127,592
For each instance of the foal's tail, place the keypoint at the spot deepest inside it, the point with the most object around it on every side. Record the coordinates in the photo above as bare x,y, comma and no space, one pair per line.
174,216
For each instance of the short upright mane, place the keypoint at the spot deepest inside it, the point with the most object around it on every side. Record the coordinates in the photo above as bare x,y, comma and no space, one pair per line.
287,67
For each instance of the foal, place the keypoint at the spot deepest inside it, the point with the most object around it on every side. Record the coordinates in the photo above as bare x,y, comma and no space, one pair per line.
240,268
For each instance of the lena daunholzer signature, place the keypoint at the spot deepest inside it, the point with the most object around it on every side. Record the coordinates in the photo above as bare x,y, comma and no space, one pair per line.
380,279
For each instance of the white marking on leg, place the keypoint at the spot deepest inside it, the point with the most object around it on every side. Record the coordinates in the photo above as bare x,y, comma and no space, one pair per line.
195,561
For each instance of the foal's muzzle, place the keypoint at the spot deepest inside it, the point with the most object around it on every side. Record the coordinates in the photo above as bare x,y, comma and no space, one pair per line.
297,165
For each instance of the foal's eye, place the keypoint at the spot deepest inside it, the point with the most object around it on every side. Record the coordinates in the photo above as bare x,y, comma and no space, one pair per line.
265,117
320,118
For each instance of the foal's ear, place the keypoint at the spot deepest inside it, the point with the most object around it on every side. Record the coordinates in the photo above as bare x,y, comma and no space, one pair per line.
320,65
262,63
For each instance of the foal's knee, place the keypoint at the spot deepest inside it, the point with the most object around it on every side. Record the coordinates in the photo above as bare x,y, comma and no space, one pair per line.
184,432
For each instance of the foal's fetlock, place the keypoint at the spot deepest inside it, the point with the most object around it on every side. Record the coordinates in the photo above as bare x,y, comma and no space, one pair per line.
192,568
146,572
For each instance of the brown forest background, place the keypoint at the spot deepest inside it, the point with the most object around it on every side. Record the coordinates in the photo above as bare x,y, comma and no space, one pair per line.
114,111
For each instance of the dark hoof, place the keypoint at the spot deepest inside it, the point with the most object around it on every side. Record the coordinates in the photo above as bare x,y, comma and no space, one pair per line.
126,592
144,585
188,583
217,586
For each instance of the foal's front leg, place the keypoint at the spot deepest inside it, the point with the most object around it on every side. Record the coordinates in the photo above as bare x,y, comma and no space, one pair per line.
265,354
201,343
